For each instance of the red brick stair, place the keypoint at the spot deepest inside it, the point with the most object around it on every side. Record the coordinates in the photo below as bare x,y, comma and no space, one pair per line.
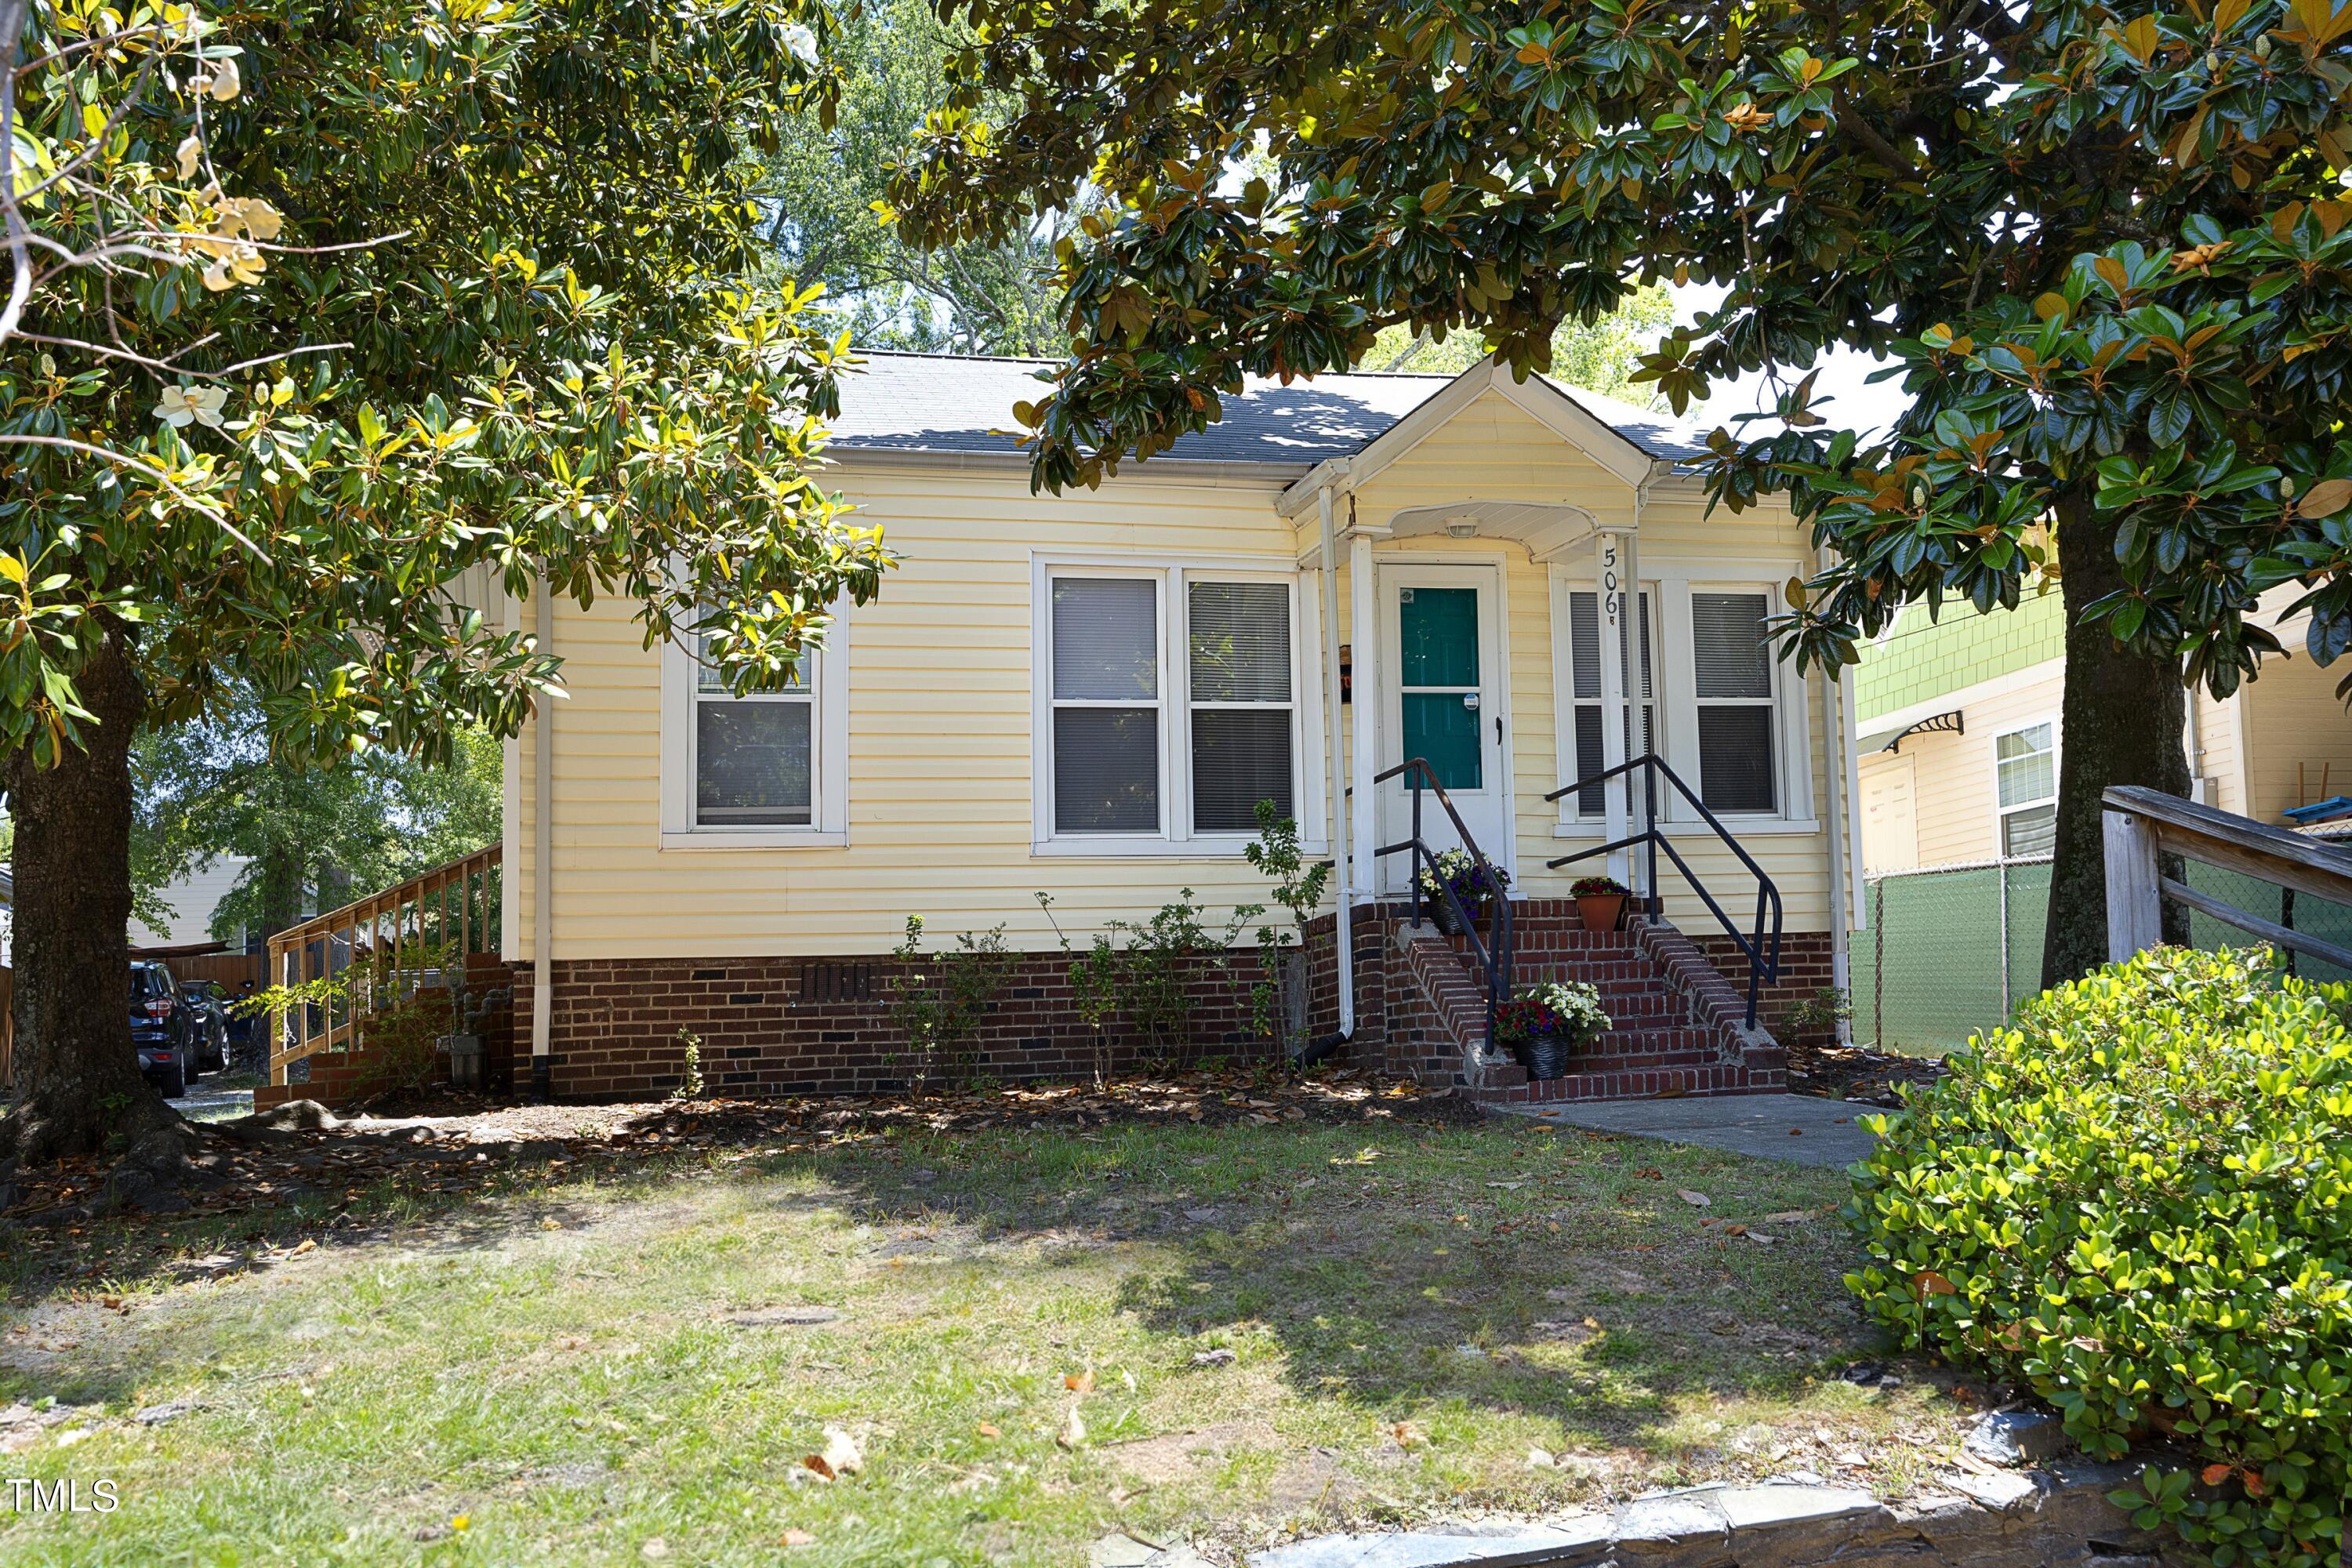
1677,1024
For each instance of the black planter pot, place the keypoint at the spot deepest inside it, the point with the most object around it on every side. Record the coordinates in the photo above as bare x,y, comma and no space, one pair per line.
1544,1055
1441,912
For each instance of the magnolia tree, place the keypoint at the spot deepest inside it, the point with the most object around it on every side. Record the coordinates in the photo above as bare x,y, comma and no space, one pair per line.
2106,251
315,319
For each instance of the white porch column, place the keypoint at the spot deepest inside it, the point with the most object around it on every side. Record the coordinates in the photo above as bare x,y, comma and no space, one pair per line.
1638,865
1363,635
1609,581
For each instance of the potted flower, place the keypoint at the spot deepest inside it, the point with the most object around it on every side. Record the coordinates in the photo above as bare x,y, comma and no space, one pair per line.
1601,900
1545,1024
1472,881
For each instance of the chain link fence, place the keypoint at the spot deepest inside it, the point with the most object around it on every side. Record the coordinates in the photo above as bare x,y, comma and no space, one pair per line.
1950,949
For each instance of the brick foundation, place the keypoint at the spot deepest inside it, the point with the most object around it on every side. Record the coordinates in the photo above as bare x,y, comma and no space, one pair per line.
1807,966
796,1025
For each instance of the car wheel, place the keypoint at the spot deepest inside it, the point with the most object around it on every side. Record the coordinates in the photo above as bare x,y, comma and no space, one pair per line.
220,1050
174,1078
195,1061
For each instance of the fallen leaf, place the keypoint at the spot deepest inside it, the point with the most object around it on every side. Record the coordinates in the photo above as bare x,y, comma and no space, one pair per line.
1073,1434
1405,1435
1695,1200
310,1244
1539,1459
1759,1238
989,1429
2214,1475
655,1549
1735,1230
1080,1383
1219,1357
799,1538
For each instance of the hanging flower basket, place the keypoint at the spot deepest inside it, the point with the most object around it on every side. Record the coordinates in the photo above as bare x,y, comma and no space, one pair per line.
1545,1025
1601,902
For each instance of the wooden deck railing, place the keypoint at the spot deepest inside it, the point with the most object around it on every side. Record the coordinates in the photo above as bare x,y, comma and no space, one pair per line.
386,947
2145,825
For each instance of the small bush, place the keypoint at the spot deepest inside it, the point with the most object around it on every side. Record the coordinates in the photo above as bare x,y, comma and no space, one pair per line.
2137,1203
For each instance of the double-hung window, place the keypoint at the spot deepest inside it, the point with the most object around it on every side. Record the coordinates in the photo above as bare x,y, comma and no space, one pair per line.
1731,684
1107,705
1170,703
2025,770
765,770
754,756
1237,649
1584,646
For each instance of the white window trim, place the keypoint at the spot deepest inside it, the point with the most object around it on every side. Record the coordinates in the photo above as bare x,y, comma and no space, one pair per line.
828,824
1176,839
2002,814
1670,584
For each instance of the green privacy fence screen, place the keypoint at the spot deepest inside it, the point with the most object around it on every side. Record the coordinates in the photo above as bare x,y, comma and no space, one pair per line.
1948,950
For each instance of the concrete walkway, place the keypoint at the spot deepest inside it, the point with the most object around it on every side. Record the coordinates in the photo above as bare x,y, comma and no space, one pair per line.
1799,1128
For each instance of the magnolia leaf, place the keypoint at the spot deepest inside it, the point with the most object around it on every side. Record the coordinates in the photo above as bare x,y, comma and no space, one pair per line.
2325,499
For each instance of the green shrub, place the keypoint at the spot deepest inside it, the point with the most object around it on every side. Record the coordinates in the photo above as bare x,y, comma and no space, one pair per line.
2137,1203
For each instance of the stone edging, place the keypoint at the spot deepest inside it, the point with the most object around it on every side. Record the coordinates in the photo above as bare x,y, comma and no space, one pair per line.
2032,1518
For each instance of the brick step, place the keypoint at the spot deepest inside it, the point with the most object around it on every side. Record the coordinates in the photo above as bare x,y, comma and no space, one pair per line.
1645,1084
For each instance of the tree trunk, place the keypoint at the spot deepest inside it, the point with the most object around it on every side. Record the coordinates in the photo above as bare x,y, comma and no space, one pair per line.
2125,714
79,1072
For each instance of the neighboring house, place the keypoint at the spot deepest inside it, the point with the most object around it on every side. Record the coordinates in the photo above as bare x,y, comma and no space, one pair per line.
1088,694
1961,735
192,901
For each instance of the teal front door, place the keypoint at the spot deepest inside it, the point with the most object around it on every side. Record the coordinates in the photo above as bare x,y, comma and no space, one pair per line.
1443,703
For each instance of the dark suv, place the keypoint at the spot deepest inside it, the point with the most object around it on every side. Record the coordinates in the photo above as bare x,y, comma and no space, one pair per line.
159,1029
207,1021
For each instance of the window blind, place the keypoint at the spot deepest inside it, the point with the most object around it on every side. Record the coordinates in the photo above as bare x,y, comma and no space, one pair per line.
1106,639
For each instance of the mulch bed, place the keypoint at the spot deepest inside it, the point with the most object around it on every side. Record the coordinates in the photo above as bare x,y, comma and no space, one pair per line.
457,1144
1857,1072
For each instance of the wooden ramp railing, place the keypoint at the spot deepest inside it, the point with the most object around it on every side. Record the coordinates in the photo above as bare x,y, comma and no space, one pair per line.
2145,825
383,948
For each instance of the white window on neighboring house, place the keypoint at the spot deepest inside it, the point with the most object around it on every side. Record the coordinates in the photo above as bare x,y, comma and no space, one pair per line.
2025,768
765,770
1106,695
1170,704
1732,675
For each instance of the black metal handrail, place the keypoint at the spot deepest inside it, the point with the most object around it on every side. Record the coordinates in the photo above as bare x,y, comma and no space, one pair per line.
1763,962
1493,953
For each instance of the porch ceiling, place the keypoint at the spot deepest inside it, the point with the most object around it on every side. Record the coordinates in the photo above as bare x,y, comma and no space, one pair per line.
1549,529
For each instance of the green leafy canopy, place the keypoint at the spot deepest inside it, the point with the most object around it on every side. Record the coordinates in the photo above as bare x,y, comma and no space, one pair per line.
483,263
2105,248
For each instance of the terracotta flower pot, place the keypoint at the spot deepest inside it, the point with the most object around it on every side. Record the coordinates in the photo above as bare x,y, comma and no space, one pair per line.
1601,911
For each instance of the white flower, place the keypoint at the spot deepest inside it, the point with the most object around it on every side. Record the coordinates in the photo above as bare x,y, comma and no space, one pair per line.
180,406
802,45
189,152
225,81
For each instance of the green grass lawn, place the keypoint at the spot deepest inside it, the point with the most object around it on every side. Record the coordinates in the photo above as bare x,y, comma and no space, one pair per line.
553,1374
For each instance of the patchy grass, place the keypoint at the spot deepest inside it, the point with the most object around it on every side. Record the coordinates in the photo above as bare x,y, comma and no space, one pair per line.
553,1374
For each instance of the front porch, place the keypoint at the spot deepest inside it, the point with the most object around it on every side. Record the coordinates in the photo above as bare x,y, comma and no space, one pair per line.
1538,649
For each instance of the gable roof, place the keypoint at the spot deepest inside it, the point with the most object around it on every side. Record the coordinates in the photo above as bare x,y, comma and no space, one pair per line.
955,404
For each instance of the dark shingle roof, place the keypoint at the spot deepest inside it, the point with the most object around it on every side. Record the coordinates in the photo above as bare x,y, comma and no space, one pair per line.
953,402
